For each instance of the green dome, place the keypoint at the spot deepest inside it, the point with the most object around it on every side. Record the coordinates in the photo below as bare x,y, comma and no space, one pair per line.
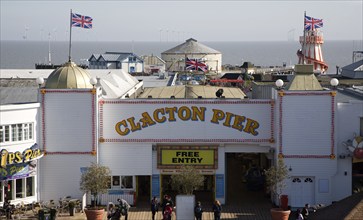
69,76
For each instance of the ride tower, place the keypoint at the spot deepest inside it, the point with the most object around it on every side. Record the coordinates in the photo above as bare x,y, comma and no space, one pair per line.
311,43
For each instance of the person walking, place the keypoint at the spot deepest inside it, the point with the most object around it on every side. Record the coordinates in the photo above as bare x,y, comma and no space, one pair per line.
198,211
113,212
154,207
124,207
299,216
168,211
305,211
217,209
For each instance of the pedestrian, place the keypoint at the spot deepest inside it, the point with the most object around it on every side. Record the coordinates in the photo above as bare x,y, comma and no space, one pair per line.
167,199
113,212
124,207
217,209
168,211
198,211
305,211
299,216
154,207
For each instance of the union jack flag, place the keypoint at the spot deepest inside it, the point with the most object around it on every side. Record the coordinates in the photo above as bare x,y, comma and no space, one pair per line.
312,23
81,21
196,64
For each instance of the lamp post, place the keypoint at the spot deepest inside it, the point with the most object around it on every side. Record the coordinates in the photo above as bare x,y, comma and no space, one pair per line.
93,81
39,81
279,83
334,82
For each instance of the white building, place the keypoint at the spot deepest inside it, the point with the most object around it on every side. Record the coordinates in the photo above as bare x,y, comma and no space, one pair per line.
145,140
128,62
176,57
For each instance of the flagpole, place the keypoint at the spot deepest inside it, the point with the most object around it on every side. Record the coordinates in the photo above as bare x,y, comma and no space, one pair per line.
70,37
303,46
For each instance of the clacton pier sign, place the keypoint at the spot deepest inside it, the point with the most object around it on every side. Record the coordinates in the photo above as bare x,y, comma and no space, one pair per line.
214,120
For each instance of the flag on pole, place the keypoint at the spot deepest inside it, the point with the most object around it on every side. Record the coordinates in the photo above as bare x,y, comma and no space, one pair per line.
81,21
312,23
195,64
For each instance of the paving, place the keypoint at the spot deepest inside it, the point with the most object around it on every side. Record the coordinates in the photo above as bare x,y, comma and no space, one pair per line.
350,208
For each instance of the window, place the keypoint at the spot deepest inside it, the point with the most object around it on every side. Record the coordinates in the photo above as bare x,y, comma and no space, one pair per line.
126,182
7,133
116,181
20,188
123,182
10,190
30,186
26,132
16,132
20,132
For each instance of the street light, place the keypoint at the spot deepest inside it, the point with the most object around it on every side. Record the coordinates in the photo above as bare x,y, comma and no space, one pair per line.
40,81
93,81
334,82
279,83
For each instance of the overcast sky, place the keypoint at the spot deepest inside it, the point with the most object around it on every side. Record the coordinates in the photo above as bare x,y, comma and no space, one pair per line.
205,20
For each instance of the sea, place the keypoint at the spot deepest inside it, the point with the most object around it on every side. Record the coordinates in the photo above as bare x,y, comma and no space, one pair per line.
25,54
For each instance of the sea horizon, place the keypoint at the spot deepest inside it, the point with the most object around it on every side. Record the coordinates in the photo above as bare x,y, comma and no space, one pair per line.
24,54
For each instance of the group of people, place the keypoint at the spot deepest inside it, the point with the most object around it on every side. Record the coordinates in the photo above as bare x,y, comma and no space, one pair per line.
168,204
303,214
167,207
115,212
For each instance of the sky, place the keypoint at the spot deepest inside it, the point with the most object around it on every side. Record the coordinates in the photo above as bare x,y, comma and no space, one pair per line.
205,20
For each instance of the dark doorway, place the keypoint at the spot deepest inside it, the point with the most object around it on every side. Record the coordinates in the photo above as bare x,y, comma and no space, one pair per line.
245,177
143,190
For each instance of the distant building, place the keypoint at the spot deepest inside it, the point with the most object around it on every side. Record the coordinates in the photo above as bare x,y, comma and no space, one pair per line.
153,64
117,60
354,70
248,67
177,57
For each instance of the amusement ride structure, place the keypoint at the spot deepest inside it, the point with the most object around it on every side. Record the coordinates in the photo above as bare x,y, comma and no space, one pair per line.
311,45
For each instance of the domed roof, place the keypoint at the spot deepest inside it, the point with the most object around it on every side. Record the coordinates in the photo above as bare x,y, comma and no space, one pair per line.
191,46
69,76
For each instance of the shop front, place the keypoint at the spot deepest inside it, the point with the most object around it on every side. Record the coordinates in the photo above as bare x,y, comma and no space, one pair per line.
18,175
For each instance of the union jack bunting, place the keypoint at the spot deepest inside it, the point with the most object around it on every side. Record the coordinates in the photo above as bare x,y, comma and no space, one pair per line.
312,23
81,21
195,64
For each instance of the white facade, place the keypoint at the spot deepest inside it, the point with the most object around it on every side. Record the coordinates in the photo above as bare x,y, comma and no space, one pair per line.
135,136
68,139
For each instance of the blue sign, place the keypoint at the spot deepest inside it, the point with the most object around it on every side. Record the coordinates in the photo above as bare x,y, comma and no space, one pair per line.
17,171
115,192
219,185
155,185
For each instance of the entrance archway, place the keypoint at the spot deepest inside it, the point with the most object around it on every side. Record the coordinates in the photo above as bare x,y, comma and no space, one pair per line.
245,182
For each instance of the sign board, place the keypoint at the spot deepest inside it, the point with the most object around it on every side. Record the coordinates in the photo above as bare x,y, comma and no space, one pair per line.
155,185
166,121
219,185
203,157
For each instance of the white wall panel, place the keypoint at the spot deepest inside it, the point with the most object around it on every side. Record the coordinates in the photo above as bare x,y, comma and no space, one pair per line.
60,175
127,159
68,121
306,125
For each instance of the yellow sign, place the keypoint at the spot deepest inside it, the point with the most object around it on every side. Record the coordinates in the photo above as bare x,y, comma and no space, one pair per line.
187,157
